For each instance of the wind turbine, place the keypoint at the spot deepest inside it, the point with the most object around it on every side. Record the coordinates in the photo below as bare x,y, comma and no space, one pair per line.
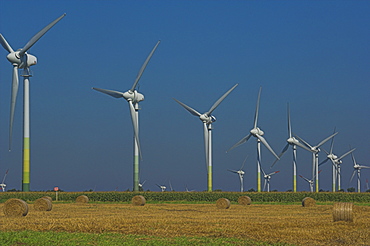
267,178
257,133
20,59
133,98
240,173
207,118
310,181
315,157
294,143
162,187
3,185
357,168
336,161
141,185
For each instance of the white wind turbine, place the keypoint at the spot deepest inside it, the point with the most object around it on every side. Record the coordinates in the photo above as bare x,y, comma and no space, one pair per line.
294,143
257,133
162,187
315,157
357,168
240,173
207,118
336,161
20,59
133,98
310,181
3,185
141,185
267,178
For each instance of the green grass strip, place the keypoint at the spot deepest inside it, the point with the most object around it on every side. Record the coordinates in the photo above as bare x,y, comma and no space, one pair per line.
32,238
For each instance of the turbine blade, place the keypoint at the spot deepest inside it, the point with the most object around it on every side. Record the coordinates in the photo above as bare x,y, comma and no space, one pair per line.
273,173
304,178
134,124
41,33
263,140
281,154
215,105
303,146
289,125
324,161
191,110
362,166
305,143
233,171
115,94
257,108
353,174
144,66
243,140
326,152
5,44
15,86
332,143
344,155
264,185
326,139
244,162
353,159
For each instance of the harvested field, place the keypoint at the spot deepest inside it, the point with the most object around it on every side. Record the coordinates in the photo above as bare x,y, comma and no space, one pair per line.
291,224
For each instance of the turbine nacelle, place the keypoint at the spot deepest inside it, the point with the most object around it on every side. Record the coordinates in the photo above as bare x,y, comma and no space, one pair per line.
208,119
292,141
134,96
26,60
333,157
256,131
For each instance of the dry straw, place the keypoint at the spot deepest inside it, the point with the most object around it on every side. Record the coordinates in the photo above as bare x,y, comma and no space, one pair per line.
82,199
223,203
308,202
244,200
342,211
138,200
48,197
43,204
15,207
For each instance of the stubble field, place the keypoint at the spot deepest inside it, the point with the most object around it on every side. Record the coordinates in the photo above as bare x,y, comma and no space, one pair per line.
291,224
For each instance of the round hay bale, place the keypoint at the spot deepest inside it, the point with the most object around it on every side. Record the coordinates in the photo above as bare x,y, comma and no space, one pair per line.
343,211
82,199
308,202
138,200
48,197
244,200
42,204
223,203
15,208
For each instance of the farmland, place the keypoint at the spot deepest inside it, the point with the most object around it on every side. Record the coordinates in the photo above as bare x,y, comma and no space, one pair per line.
260,222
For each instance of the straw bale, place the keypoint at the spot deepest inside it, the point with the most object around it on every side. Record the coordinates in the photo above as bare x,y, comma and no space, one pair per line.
244,200
343,211
138,200
223,203
43,204
15,208
48,197
308,202
82,199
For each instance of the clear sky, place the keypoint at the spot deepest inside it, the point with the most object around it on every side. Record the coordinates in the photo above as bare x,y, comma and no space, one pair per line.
312,54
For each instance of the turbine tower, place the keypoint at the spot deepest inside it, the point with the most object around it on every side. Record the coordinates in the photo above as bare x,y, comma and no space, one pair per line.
207,118
20,59
257,133
336,161
294,143
315,157
240,173
133,98
357,168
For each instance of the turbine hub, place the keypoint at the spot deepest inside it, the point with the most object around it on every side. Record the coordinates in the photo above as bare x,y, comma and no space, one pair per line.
26,60
134,96
257,131
207,119
292,140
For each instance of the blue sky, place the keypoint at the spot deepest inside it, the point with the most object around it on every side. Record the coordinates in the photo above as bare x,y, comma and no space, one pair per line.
312,54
